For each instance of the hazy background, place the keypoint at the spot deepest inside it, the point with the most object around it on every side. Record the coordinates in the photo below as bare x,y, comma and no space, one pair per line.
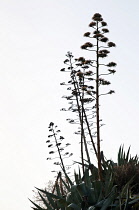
34,38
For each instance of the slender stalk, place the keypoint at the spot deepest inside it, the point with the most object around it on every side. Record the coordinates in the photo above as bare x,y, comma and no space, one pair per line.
87,123
62,164
82,112
88,127
82,129
82,134
80,118
97,111
82,123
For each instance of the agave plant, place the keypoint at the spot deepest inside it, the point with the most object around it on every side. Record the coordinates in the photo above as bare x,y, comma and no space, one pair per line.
123,171
127,167
109,185
85,193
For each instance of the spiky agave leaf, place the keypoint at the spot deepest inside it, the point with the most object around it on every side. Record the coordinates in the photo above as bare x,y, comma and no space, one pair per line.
51,202
38,207
49,194
65,184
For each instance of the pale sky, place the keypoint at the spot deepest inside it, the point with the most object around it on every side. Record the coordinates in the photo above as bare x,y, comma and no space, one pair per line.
34,38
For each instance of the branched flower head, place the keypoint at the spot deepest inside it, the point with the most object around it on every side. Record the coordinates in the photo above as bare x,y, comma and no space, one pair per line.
86,45
97,17
103,53
104,39
111,64
92,24
80,74
81,59
96,32
104,82
112,71
105,30
98,36
63,69
87,34
111,44
66,61
111,92
88,73
104,23
87,61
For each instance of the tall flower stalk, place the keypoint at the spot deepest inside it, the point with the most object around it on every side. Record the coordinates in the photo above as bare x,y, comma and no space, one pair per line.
86,80
58,149
101,43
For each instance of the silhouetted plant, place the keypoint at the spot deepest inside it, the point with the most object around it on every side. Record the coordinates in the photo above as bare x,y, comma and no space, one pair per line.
58,149
76,85
57,152
84,84
101,189
127,168
87,194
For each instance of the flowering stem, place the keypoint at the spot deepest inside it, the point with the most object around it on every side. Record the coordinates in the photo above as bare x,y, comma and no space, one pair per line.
62,164
97,111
